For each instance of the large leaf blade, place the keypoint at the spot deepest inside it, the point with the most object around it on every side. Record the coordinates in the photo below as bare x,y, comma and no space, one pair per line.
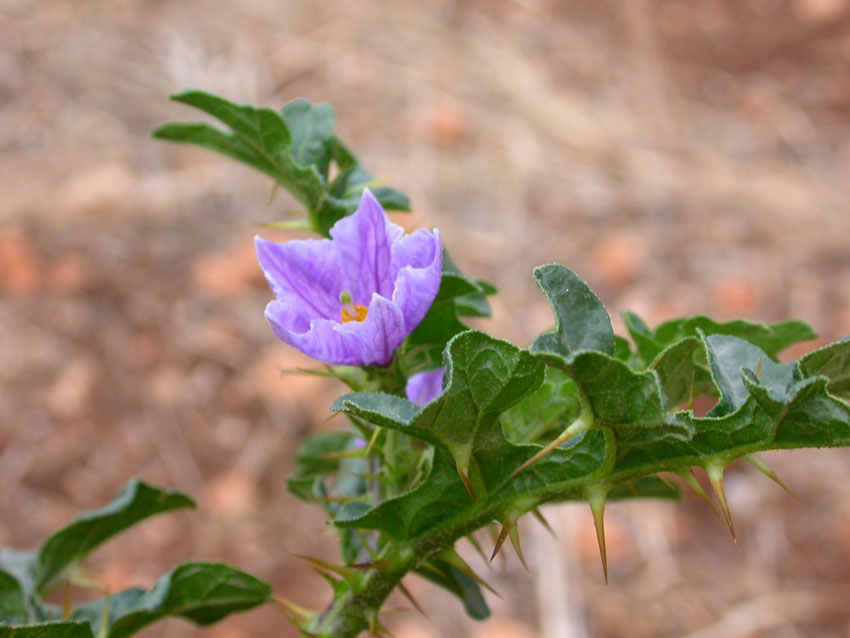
203,593
49,630
13,602
134,503
262,129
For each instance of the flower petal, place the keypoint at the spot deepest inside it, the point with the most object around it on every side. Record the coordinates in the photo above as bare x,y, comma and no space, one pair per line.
317,338
306,270
364,243
424,387
418,262
382,331
368,342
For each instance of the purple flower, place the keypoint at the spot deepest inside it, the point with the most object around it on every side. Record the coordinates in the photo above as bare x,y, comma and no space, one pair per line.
352,299
424,387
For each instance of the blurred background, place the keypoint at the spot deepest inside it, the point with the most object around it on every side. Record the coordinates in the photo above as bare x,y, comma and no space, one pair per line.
683,156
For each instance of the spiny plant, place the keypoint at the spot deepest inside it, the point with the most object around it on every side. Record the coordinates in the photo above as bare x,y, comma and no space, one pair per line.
201,592
453,430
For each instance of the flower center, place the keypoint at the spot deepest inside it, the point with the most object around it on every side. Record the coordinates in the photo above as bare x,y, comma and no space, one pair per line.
351,311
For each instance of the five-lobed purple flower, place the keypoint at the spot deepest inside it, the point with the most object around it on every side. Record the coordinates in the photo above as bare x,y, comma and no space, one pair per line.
424,387
352,299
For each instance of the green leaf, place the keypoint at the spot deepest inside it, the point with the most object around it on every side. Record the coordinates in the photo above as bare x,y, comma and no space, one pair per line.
294,147
424,346
772,339
391,198
135,502
21,565
682,369
622,349
443,498
619,396
49,630
833,362
13,603
455,581
318,454
262,129
312,130
307,488
216,140
458,296
647,347
259,138
473,303
484,376
411,514
203,593
352,178
582,321
779,409
727,356
548,410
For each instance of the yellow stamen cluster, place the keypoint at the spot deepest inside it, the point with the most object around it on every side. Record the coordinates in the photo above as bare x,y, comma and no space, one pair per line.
350,310
354,312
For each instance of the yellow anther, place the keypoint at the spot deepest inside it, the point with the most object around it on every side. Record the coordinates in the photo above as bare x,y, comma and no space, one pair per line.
355,312
350,310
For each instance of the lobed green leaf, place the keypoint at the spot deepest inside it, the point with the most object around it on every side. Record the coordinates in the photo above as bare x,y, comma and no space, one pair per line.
582,323
833,362
770,338
484,376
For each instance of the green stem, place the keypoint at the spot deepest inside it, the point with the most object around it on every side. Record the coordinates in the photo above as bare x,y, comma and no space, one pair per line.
346,617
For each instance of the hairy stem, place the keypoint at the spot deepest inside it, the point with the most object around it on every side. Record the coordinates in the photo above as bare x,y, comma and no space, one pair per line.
346,616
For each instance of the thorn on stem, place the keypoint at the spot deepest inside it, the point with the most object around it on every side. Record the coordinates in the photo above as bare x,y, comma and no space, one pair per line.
514,536
762,467
406,593
294,608
715,475
562,438
596,500
503,534
477,546
691,479
464,476
375,434
666,481
539,516
454,559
